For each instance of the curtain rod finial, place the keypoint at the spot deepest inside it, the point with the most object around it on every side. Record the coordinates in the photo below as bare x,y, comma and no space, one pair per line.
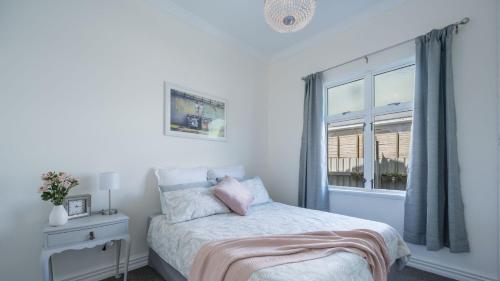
465,21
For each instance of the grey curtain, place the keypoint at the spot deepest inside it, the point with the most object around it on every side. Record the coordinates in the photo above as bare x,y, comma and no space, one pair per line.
434,211
313,182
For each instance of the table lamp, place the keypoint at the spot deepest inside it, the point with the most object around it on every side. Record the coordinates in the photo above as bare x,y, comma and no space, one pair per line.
109,181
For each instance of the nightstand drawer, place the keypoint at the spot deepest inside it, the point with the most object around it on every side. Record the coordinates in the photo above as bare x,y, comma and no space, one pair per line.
86,234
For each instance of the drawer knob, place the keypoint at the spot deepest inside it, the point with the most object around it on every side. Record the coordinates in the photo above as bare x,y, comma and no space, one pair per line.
91,235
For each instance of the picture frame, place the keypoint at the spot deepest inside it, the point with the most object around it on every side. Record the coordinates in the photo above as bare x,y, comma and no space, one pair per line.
78,206
192,114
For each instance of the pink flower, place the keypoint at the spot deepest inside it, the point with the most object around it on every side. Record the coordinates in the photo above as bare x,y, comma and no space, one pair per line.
56,184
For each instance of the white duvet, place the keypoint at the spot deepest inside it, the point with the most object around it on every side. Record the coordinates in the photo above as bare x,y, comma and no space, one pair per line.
179,243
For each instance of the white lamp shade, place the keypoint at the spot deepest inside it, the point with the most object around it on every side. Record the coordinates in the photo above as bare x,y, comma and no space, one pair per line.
109,181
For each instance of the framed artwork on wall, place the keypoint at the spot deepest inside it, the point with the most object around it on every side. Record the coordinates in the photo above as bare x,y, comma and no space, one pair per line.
189,113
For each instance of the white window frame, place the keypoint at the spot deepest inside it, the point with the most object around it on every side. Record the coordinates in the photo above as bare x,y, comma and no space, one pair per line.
367,117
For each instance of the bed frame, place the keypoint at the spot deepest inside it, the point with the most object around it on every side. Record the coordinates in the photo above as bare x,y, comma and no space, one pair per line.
165,270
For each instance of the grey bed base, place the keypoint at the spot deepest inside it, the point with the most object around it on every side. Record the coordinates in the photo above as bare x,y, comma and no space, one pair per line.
165,270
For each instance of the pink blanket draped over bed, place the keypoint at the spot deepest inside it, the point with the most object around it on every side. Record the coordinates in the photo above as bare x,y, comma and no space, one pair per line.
237,259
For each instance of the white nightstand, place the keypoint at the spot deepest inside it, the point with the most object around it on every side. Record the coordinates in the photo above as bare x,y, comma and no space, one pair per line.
83,233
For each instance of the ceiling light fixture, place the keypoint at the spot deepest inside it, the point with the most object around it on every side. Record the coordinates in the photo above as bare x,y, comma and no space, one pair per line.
286,16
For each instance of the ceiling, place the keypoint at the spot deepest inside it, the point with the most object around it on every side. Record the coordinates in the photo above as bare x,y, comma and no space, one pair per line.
243,20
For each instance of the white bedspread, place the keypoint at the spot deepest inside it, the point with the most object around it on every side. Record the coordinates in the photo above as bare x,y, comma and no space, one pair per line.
179,243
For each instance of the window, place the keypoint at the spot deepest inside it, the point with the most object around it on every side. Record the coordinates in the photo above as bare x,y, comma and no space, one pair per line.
369,125
391,152
345,154
346,98
394,87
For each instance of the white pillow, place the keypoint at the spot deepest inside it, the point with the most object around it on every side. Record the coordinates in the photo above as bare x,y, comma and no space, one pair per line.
175,176
188,204
259,191
169,188
235,171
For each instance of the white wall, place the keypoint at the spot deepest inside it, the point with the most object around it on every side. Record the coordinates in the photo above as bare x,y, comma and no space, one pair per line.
476,101
81,90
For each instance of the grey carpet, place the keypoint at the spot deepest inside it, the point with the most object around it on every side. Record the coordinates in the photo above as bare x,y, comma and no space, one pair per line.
413,274
408,274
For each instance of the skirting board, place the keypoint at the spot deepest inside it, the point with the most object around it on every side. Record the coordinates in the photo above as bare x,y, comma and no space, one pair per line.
108,271
142,260
448,271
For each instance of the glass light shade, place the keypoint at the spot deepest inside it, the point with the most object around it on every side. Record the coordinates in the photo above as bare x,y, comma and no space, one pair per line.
109,181
288,15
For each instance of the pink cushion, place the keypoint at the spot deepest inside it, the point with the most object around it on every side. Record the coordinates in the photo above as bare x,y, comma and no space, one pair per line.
237,197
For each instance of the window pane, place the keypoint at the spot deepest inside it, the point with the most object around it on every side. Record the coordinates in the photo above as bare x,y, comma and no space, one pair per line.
345,155
348,97
392,147
395,86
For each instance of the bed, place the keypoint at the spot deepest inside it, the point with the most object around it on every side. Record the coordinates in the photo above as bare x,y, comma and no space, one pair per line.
174,246
177,244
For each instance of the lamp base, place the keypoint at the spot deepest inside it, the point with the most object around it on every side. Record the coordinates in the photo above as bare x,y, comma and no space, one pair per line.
109,212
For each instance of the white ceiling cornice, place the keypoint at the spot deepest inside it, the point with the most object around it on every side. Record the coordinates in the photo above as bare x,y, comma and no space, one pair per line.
191,18
319,37
194,20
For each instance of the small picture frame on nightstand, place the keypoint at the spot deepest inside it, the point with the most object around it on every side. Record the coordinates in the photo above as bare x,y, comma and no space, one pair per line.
78,206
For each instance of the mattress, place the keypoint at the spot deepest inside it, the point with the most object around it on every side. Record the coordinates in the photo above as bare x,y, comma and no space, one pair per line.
177,244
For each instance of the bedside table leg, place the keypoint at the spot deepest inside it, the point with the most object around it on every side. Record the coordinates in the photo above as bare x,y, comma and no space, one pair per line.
51,268
118,251
127,258
46,267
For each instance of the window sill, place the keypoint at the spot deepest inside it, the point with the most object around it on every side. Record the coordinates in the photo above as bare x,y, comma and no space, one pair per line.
387,194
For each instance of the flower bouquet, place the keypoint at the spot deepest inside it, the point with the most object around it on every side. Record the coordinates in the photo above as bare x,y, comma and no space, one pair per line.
56,186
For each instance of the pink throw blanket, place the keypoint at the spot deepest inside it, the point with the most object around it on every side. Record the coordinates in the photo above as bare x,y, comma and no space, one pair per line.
237,259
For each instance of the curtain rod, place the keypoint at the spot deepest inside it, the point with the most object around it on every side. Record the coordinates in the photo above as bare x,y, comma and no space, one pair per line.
464,21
